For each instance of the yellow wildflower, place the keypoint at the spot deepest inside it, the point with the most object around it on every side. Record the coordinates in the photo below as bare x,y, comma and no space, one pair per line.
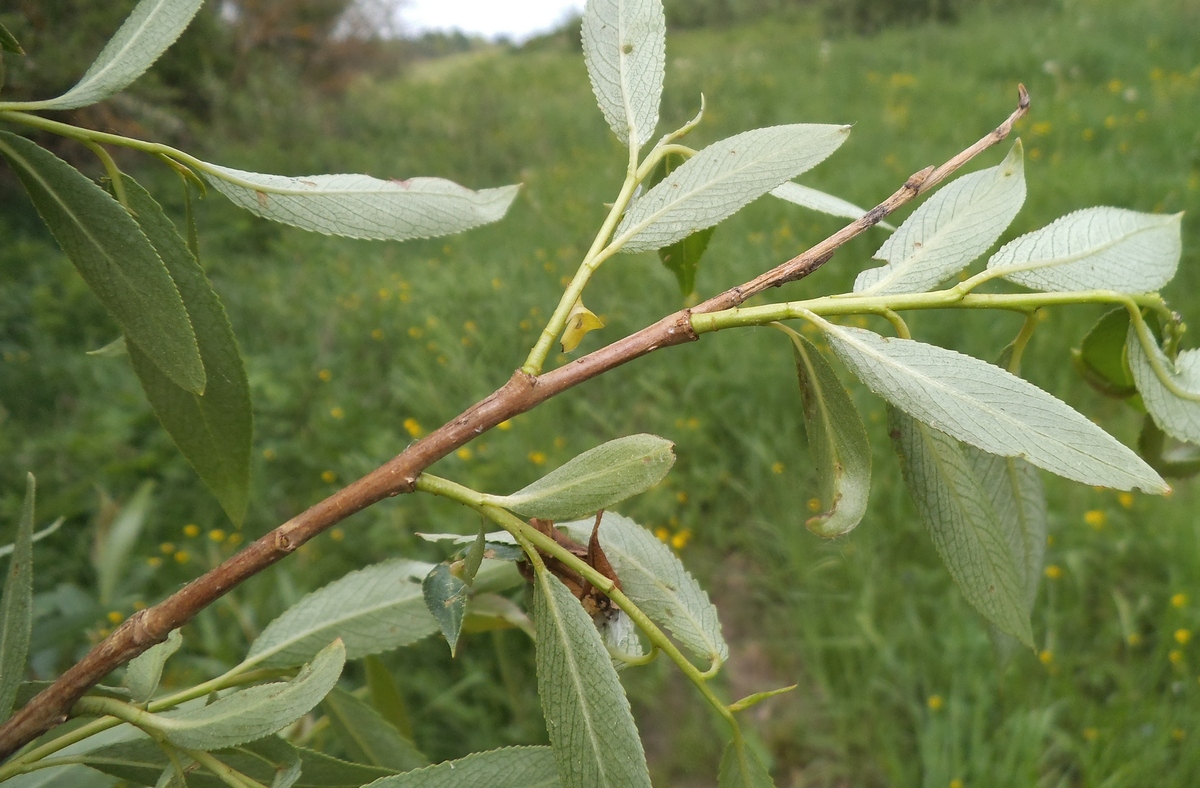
935,702
191,529
413,427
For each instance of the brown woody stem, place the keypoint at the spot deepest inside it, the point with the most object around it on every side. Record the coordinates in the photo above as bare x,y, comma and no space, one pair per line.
520,394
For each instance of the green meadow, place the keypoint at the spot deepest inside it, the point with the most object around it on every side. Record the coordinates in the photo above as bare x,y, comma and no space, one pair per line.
355,348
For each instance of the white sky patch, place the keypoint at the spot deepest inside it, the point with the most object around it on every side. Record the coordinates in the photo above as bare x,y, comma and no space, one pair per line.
517,19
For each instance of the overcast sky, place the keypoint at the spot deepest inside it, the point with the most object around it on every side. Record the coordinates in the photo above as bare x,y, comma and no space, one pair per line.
517,19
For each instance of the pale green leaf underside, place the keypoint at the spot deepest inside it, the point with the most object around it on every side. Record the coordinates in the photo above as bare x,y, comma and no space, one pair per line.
657,582
837,441
624,47
359,206
989,408
146,33
1095,249
372,610
16,605
255,712
817,200
510,767
1179,418
591,728
741,768
721,179
954,227
964,527
143,672
598,478
113,256
1014,489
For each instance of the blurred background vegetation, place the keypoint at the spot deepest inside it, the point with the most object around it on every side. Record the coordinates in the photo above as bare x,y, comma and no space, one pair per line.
355,348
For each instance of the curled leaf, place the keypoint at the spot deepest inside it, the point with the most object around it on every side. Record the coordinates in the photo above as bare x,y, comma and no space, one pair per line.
837,440
579,323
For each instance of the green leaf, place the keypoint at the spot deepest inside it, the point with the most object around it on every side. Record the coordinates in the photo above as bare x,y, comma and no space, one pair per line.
146,33
474,557
252,713
1095,249
368,737
9,43
77,776
510,767
16,605
386,697
446,597
359,206
117,543
37,537
372,610
837,440
989,408
964,526
742,768
486,612
114,349
141,761
1176,462
721,179
113,256
817,200
591,729
657,582
1100,359
1176,416
144,671
1014,489
954,227
213,431
624,47
594,480
683,258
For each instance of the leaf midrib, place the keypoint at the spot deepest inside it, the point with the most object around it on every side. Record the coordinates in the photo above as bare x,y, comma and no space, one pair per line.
573,669
959,396
1092,251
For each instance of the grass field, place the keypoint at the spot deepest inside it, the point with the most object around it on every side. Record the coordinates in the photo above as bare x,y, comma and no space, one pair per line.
354,348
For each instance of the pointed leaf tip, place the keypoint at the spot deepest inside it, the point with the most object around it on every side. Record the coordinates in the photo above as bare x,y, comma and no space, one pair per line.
150,28
359,206
958,224
989,408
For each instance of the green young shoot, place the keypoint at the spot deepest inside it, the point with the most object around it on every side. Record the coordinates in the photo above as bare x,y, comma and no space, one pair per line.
533,540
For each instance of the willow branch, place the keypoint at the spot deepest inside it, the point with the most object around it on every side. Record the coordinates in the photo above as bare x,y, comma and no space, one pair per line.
521,393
